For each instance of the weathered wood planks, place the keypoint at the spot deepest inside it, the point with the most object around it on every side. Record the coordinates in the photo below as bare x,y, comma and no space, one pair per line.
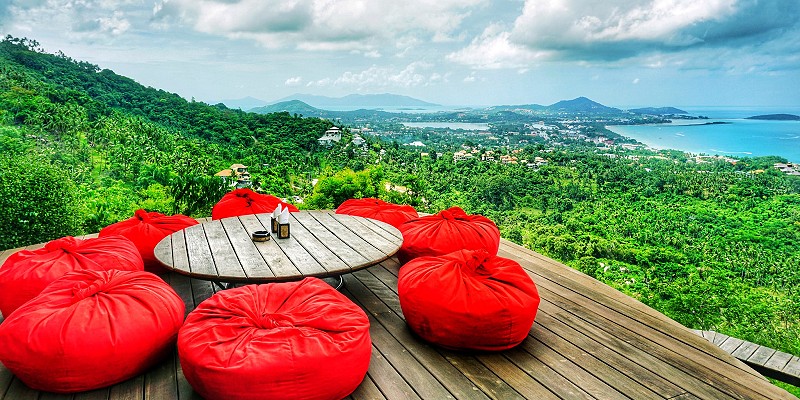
770,362
589,342
321,244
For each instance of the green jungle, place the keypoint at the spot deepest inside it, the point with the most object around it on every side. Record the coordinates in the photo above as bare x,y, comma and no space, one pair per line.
715,246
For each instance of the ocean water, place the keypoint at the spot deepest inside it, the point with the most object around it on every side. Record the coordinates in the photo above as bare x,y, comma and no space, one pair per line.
737,137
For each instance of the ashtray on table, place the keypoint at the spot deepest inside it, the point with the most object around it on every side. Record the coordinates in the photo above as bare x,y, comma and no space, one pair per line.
260,236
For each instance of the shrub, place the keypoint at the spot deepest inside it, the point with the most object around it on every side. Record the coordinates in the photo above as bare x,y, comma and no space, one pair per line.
37,202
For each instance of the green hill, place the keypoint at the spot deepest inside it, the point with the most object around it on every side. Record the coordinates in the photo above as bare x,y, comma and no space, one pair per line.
658,111
126,146
776,117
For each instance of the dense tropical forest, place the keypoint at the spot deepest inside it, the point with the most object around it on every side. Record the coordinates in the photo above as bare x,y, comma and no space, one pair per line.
714,245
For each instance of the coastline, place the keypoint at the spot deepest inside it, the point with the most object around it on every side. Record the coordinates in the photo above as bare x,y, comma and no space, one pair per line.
736,138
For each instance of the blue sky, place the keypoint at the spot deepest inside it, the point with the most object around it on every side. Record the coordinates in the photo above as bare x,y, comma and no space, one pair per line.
453,52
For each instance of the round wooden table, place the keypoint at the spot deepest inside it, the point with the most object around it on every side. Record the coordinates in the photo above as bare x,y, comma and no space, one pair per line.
322,244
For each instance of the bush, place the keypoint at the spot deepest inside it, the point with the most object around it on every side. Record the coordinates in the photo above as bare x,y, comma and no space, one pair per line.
37,202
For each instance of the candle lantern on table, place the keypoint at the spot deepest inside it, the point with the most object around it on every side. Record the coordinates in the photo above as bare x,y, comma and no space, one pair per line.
274,220
283,224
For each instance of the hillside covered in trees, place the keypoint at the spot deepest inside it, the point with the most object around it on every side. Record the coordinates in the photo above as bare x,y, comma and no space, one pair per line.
713,245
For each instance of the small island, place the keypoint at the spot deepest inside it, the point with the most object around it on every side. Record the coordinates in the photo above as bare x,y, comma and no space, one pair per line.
776,117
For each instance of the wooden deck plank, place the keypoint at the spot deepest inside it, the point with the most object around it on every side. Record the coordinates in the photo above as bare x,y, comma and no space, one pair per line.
791,372
761,355
793,367
720,338
277,260
568,368
375,239
325,256
200,260
56,396
482,377
381,229
646,340
589,341
731,344
19,391
99,394
745,350
392,384
367,249
599,378
244,248
778,360
559,384
515,377
653,331
622,359
161,382
6,377
424,384
368,390
225,258
630,309
132,389
373,303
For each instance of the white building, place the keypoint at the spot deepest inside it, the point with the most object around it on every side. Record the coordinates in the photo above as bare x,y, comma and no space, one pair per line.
334,134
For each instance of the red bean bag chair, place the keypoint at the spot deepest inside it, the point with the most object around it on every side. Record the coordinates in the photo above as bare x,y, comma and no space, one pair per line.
145,230
446,232
245,202
27,272
293,340
392,214
468,300
91,329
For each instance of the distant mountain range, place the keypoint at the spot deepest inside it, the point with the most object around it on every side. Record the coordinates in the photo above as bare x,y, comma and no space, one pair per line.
352,101
359,101
301,108
372,104
580,105
244,104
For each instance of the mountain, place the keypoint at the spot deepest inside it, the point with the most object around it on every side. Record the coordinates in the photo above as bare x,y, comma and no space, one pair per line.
358,101
290,106
776,117
244,103
658,111
582,105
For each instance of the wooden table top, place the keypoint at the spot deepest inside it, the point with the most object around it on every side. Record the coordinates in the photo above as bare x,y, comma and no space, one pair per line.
321,244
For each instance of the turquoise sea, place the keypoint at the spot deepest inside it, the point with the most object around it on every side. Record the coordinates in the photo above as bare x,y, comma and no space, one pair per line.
737,137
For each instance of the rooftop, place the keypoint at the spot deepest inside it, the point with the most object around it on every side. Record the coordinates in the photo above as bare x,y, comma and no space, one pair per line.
589,341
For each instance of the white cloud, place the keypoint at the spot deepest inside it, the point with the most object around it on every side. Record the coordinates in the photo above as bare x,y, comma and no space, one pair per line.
375,77
620,29
116,24
568,23
314,25
294,81
635,81
493,50
619,33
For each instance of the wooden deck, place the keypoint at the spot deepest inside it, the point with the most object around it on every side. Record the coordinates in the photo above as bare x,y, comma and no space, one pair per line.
589,342
775,364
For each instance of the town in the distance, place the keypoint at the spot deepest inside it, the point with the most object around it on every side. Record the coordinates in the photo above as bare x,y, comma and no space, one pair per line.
489,134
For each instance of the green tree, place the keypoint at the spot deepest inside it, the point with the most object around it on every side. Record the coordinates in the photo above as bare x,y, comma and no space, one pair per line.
37,202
